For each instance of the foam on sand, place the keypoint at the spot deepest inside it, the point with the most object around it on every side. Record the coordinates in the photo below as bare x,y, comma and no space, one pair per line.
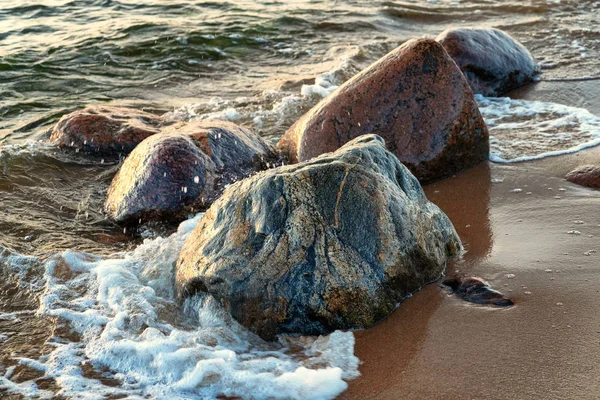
522,130
129,328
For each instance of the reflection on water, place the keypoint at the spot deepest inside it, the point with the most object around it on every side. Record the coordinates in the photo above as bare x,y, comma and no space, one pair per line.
465,198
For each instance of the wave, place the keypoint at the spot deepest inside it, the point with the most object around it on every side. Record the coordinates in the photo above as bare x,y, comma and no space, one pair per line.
128,326
522,130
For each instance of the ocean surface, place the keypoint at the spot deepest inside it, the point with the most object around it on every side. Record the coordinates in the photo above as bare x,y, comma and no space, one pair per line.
87,307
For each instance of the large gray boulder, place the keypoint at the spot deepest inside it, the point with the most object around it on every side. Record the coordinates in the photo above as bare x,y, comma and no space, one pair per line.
333,243
183,169
492,61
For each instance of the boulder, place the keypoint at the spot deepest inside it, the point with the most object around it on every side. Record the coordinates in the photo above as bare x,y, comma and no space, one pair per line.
586,175
493,61
184,169
416,98
105,130
333,243
235,151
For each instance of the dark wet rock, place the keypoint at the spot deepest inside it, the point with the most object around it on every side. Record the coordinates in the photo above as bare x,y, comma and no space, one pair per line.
332,243
492,60
184,169
235,151
476,290
103,129
415,98
586,175
166,173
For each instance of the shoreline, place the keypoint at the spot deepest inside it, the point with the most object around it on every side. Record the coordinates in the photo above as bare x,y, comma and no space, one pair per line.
546,346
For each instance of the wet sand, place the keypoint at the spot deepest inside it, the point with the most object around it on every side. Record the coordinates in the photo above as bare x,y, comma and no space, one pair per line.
436,346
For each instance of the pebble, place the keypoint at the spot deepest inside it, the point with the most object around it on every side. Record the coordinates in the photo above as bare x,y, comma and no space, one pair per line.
516,190
510,276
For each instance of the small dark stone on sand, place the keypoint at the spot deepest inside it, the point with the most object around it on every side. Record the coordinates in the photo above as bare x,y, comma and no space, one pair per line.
476,290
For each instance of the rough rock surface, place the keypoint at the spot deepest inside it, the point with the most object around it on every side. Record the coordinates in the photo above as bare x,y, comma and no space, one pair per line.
476,290
492,60
586,175
235,151
103,129
415,98
332,243
183,169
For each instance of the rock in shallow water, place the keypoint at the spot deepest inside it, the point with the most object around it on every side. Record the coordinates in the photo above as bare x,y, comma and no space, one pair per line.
493,61
332,243
183,169
415,98
104,129
586,175
476,290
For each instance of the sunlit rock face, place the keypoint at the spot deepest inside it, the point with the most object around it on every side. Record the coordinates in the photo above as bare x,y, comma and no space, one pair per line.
332,243
416,98
105,130
183,169
586,175
492,61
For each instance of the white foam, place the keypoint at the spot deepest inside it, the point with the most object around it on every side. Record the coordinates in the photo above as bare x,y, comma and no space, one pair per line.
124,311
27,389
324,85
522,130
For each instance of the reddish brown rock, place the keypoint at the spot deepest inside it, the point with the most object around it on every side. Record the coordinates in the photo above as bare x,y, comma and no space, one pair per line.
493,61
184,169
586,175
102,129
416,98
235,151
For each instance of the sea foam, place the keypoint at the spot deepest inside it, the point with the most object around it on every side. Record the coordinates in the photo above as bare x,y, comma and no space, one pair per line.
126,324
522,130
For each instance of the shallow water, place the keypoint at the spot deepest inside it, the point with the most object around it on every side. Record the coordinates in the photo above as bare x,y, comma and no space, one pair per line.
260,64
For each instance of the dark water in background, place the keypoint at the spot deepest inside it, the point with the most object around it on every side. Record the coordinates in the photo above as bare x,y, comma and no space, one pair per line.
242,60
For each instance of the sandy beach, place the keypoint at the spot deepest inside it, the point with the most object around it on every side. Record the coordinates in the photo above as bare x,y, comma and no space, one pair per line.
545,347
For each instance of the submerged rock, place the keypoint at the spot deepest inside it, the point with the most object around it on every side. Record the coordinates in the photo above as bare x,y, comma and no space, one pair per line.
493,61
184,169
586,175
103,129
476,290
415,98
332,243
